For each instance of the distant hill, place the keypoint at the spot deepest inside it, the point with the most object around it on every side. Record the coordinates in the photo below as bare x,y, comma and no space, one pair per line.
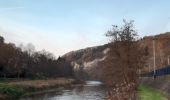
90,57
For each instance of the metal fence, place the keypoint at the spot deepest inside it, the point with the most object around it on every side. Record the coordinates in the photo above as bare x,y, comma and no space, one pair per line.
159,72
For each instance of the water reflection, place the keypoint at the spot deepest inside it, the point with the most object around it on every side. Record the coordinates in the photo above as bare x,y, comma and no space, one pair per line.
91,91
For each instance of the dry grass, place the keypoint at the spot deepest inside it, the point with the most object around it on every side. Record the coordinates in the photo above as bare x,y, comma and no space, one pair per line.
18,88
40,84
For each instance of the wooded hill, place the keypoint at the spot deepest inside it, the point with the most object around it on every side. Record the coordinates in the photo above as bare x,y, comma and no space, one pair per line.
162,50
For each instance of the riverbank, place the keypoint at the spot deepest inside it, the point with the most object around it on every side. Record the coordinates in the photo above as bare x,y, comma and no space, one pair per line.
16,89
161,83
148,93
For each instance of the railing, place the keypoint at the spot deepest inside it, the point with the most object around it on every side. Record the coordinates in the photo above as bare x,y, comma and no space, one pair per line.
159,72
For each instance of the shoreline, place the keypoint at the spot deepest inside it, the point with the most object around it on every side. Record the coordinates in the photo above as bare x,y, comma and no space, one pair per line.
18,89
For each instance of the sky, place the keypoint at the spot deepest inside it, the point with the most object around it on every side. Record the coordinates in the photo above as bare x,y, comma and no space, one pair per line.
60,26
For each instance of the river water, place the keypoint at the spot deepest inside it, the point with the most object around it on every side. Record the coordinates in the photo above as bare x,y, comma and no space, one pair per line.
92,90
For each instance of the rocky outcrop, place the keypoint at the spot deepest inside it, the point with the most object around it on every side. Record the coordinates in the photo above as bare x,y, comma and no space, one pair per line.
87,61
88,57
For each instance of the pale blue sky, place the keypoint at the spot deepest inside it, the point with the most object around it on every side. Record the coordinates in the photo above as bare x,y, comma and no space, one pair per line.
60,26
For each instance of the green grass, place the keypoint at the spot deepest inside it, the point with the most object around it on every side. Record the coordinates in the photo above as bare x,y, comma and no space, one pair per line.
11,90
147,93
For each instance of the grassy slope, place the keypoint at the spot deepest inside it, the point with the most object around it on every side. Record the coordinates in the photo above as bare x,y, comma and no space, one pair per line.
20,88
147,93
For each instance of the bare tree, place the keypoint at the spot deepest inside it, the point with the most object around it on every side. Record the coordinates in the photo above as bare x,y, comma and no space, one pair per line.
123,61
125,33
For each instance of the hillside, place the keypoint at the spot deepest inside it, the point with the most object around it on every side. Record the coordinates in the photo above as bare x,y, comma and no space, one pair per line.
86,61
89,58
162,50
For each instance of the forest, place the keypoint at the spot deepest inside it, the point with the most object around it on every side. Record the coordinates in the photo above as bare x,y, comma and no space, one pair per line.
20,62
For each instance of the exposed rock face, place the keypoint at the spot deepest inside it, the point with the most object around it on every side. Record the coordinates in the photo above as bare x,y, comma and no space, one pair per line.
88,57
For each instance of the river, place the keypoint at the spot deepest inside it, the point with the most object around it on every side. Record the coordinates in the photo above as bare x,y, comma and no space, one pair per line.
92,90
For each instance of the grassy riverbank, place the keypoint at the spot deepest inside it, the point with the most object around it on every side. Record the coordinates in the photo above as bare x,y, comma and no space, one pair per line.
147,93
17,89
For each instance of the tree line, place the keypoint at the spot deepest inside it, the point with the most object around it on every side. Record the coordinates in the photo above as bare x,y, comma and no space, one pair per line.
16,62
